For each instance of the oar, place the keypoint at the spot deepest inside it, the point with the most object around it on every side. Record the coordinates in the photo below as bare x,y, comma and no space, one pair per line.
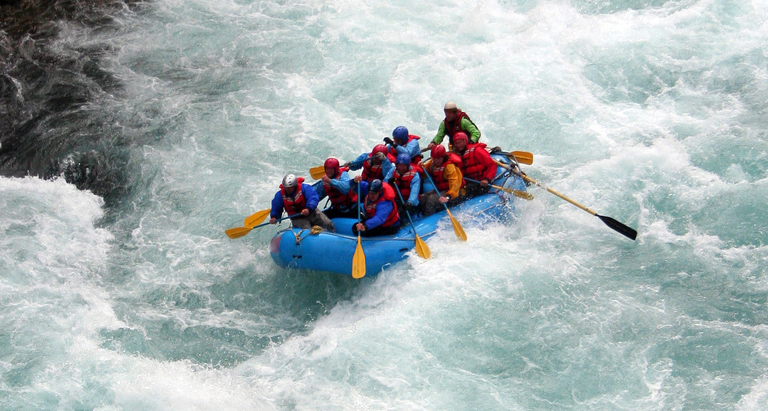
456,226
421,247
256,218
516,193
617,226
522,157
238,232
358,260
319,171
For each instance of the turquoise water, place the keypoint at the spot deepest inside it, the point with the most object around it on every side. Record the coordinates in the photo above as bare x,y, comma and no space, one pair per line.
654,113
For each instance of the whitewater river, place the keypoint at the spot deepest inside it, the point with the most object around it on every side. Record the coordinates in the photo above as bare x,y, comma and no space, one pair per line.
170,121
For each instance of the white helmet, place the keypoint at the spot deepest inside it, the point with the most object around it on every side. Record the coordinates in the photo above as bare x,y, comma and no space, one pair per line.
450,106
290,181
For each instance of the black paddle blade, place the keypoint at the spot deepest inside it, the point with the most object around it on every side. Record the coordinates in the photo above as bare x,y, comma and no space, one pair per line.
621,228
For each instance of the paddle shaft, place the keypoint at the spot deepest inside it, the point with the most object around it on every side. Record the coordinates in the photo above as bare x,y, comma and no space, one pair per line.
419,243
517,193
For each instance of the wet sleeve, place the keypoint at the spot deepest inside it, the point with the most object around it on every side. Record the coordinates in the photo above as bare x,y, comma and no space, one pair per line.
454,177
277,206
342,184
358,162
474,133
311,194
440,133
413,197
387,169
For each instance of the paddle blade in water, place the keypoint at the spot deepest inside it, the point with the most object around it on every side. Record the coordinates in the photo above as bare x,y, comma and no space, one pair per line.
237,232
421,249
256,218
619,227
457,227
358,261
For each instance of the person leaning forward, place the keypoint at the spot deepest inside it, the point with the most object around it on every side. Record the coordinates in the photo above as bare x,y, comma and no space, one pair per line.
455,121
298,198
381,217
444,168
336,184
477,164
376,164
406,178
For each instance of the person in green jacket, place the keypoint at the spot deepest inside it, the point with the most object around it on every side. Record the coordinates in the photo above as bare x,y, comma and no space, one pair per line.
455,121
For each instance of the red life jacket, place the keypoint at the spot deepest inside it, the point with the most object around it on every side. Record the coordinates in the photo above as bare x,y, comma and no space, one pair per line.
371,171
455,126
403,182
438,173
387,195
414,160
473,168
338,199
295,203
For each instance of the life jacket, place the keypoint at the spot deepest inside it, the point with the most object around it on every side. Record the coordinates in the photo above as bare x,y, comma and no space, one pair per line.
403,182
438,173
295,203
338,199
415,159
472,168
388,194
371,171
454,126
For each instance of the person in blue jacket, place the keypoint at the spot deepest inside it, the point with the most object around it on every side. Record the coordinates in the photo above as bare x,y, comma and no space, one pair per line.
376,164
406,178
381,216
297,198
336,185
404,143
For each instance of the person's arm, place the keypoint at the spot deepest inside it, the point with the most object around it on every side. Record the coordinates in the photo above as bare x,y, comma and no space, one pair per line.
382,212
454,177
387,168
471,129
343,183
311,196
277,206
358,162
412,148
413,197
440,134
487,162
320,190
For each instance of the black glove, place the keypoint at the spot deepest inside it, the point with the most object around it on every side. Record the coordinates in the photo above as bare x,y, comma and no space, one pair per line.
391,181
410,207
389,141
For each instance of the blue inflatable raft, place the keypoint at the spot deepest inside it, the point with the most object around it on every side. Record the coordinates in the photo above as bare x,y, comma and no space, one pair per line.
332,252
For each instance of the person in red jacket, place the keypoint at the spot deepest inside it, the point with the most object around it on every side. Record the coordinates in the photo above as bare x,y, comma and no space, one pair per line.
477,164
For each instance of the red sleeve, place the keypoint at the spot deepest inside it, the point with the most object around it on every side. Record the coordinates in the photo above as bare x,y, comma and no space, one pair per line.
490,165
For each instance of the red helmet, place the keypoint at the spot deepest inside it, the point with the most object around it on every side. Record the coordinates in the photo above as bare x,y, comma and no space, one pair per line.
461,136
438,151
380,148
331,163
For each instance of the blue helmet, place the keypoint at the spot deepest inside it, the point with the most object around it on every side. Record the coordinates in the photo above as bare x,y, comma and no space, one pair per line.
403,158
375,186
400,134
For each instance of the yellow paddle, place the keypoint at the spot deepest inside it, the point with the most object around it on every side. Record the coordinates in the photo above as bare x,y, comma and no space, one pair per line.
358,260
456,226
421,247
522,157
238,232
516,193
256,218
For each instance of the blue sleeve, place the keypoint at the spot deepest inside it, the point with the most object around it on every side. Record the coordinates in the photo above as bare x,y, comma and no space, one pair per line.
277,206
387,169
363,190
413,198
320,190
342,184
412,148
358,162
311,195
382,211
